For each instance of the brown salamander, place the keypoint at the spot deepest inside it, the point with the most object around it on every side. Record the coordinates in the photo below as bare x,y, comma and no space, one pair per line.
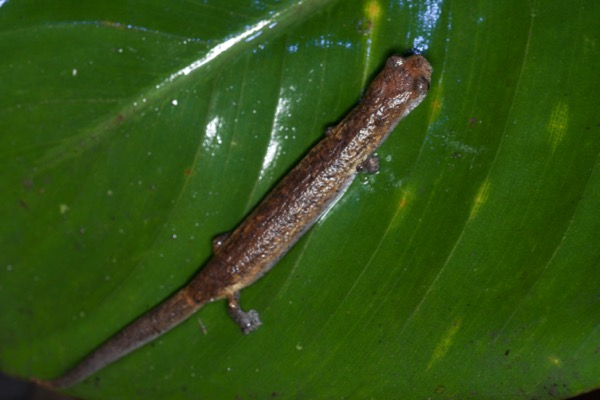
284,215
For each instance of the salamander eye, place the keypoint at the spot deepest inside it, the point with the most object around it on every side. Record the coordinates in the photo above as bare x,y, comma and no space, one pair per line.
421,84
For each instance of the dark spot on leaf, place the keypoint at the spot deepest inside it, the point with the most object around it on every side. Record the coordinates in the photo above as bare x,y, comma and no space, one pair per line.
364,26
472,122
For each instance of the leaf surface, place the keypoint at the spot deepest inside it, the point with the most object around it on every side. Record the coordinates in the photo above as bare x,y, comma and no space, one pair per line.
131,133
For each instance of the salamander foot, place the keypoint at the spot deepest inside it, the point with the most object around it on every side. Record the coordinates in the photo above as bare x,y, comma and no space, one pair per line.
247,321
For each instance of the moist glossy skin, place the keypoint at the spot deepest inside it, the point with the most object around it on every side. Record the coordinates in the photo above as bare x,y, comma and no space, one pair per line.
284,215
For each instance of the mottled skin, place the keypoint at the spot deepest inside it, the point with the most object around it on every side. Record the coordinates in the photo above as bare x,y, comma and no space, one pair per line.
284,215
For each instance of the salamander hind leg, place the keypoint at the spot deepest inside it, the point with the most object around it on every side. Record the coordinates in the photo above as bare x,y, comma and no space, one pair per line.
218,240
247,321
370,165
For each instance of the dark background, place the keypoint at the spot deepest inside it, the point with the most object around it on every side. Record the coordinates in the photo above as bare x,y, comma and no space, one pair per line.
13,389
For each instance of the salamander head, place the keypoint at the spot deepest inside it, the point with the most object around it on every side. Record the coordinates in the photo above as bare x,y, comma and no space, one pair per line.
399,87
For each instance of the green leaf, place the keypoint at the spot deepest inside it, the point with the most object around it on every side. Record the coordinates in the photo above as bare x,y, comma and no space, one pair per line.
131,133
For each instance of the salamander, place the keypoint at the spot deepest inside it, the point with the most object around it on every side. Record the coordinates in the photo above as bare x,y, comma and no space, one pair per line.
281,218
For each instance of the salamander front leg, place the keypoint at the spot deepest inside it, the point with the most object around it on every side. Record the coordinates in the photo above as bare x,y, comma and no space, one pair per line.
370,165
247,321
